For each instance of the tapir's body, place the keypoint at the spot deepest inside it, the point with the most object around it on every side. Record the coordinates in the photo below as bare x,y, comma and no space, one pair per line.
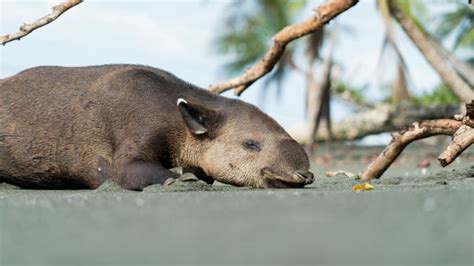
74,127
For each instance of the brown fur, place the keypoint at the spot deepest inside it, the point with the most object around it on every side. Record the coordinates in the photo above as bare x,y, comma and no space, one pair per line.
74,127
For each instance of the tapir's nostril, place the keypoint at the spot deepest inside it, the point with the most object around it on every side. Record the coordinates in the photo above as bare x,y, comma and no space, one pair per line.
307,176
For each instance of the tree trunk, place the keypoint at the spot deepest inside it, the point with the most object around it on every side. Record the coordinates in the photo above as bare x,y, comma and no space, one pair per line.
323,115
399,87
320,111
465,70
462,90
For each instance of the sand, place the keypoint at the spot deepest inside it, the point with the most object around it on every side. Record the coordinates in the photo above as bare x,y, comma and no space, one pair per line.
410,217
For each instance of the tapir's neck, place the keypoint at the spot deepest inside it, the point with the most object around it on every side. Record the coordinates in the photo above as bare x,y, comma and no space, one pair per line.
186,150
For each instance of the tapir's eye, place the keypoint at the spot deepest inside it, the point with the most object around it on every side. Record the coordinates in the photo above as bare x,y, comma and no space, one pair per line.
252,145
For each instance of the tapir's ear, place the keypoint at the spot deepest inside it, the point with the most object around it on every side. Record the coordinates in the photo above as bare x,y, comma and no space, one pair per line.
199,119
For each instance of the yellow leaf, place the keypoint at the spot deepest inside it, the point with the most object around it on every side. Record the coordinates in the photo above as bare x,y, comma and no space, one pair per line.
362,187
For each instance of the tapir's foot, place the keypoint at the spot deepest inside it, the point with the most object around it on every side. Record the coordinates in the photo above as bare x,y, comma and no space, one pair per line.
137,175
186,177
190,174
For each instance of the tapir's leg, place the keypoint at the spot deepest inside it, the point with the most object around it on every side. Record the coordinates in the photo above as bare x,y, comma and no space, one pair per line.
199,173
137,175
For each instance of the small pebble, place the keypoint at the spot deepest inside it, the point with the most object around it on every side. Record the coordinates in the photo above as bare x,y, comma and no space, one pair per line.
458,117
424,163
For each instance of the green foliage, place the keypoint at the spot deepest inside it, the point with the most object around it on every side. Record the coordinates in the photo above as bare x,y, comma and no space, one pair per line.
416,10
470,61
246,35
458,23
455,21
440,95
356,94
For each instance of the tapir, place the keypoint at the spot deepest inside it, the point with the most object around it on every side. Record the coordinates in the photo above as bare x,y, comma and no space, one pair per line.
75,127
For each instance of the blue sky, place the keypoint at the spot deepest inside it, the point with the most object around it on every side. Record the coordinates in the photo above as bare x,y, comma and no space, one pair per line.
178,36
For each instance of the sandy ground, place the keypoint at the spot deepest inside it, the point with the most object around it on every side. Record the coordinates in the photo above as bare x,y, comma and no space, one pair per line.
411,217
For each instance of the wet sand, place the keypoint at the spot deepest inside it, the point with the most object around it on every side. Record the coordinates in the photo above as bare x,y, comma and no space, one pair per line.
409,218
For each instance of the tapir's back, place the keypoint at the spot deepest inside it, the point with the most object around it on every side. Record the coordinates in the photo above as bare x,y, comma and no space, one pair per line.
52,118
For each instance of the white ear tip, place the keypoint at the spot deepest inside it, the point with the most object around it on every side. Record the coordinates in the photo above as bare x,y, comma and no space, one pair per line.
181,100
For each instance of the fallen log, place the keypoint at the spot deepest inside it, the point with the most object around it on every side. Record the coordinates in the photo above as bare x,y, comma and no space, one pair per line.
385,118
460,128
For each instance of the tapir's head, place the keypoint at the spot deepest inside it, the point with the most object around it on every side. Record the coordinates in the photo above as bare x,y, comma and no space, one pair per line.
240,145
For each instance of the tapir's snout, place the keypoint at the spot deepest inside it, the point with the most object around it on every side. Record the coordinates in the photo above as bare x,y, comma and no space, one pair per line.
297,179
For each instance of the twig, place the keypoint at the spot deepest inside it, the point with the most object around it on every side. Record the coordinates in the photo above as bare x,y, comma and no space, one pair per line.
28,28
323,14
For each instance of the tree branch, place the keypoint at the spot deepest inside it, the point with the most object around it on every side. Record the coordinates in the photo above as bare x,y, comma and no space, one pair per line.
460,128
323,14
462,139
26,29
400,139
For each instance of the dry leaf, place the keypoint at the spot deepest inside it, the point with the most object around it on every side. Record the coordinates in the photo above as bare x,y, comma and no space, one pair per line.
362,187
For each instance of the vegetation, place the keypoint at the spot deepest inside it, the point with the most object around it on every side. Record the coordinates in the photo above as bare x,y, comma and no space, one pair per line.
247,32
250,26
440,95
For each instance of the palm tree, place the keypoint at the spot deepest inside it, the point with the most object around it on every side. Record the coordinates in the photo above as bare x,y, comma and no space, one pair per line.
246,38
400,10
458,23
399,88
247,31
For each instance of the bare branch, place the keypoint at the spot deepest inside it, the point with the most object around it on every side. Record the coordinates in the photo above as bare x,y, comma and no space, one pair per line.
400,139
26,29
323,14
461,128
462,139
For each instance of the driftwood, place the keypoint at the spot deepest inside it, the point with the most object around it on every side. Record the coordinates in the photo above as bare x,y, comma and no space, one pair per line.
323,14
384,118
461,128
26,29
